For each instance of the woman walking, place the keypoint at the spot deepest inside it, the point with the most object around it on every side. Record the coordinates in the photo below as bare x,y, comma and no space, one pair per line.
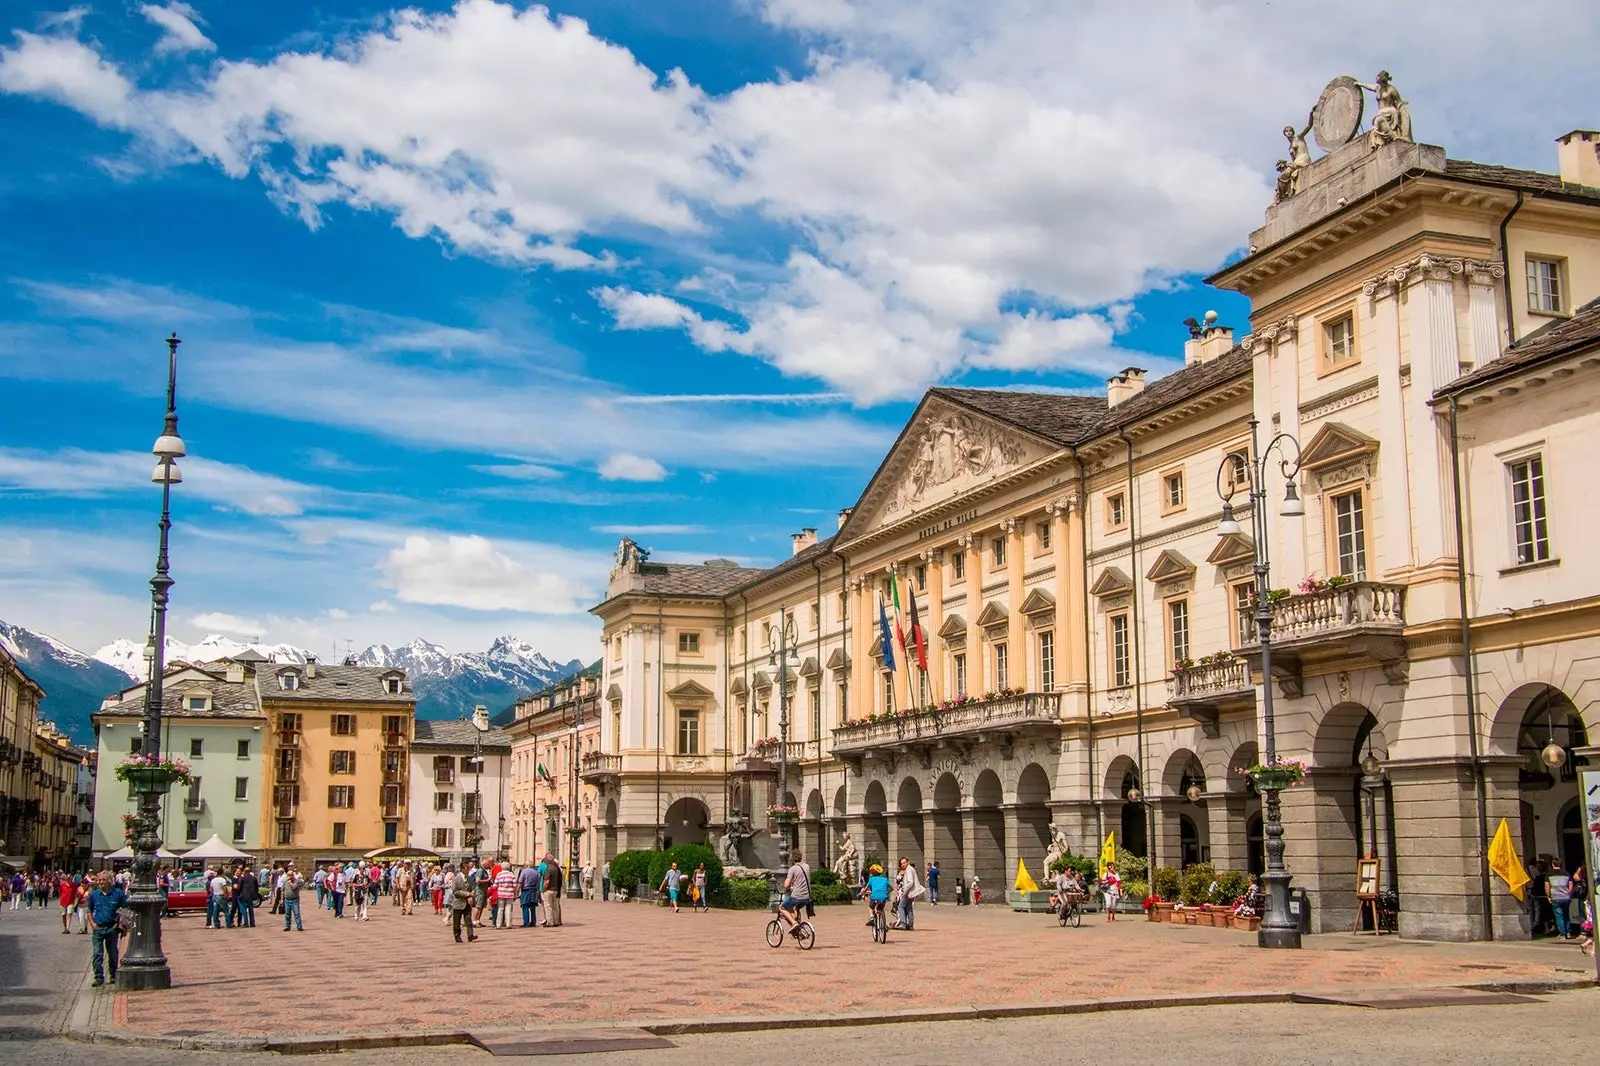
701,903
358,891
436,891
1111,886
910,890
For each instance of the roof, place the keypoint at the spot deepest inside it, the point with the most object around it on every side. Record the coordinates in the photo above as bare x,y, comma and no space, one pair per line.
796,561
1062,419
1181,385
457,733
228,700
714,578
1553,341
362,684
1513,178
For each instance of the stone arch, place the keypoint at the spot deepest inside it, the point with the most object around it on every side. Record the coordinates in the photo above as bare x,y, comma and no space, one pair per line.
908,838
1530,705
1033,817
988,858
1181,764
947,845
814,804
813,830
1117,773
1545,716
838,802
873,801
947,792
1033,785
1183,828
1504,677
685,821
1246,754
986,790
1342,727
909,797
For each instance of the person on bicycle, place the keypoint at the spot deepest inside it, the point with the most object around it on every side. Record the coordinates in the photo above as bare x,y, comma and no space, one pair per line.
876,892
796,891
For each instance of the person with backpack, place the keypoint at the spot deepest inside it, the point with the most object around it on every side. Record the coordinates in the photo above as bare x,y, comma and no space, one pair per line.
553,885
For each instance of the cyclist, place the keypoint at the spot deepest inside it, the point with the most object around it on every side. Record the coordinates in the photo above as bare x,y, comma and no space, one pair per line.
796,892
876,892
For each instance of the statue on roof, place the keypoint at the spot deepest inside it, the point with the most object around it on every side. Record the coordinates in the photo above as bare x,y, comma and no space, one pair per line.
1393,120
1299,158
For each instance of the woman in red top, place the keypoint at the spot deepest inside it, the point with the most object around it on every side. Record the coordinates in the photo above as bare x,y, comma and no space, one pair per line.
67,893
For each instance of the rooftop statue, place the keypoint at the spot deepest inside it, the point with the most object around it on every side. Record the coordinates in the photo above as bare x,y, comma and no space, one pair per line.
1393,120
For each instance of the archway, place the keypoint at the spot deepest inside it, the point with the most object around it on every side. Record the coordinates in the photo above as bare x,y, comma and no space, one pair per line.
875,825
1033,818
989,860
946,847
1182,812
608,830
1337,815
685,822
813,835
908,839
1549,730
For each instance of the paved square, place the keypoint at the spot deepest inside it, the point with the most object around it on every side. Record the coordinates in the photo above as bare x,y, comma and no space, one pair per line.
630,963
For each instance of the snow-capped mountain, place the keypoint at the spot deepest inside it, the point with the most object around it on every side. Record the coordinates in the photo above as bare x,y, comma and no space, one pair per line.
450,684
128,656
74,683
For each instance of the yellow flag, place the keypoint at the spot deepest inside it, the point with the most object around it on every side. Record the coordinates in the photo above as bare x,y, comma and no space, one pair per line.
1025,882
1503,861
1108,851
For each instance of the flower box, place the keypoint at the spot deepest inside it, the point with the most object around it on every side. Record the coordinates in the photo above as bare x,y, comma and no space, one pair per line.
1275,778
1221,919
1249,925
154,779
1161,912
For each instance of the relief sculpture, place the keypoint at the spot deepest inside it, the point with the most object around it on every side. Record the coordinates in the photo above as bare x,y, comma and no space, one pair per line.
951,448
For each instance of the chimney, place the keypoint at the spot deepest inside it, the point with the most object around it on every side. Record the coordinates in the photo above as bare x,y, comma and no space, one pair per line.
1578,153
311,667
844,515
803,540
1124,386
1206,340
480,718
235,673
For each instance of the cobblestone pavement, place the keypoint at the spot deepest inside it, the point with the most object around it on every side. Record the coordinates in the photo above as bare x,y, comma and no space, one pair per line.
40,972
630,963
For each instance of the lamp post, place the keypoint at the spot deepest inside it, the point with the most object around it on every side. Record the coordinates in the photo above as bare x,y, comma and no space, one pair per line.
143,965
778,654
477,790
574,885
1278,929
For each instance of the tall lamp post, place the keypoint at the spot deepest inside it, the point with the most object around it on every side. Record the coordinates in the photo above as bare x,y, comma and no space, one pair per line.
779,653
143,965
574,832
477,790
1278,928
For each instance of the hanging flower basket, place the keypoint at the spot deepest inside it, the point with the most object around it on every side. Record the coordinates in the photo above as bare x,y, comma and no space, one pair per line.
783,815
1285,773
156,774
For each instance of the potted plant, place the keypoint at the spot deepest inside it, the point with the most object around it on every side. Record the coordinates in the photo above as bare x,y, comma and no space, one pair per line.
783,815
153,773
1278,774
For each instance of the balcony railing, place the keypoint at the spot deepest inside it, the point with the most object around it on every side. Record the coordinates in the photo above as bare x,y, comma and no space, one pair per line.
1335,611
394,777
1026,709
1208,681
287,774
193,804
599,762
288,738
394,740
444,777
471,817
795,751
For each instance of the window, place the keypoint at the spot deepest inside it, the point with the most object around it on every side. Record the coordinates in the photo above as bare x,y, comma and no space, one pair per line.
472,764
341,796
241,788
1244,619
1238,469
1528,520
1178,630
135,743
338,834
888,690
191,829
1544,286
1000,676
243,750
393,685
1350,535
197,747
688,732
444,769
469,805
289,682
1116,510
616,649
689,643
444,801
960,671
285,832
441,839
1121,675
1047,661
816,712
289,723
998,549
391,832
958,564
341,762
816,618
922,579
1338,341
1041,534
1172,492
196,703
238,829
344,725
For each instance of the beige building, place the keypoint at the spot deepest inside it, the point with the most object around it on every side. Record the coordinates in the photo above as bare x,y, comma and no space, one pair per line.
555,761
460,778
56,785
19,800
338,759
1091,664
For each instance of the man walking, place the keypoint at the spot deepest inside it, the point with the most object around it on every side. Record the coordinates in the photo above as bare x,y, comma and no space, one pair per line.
671,882
104,902
319,878
337,882
552,890
528,894
933,883
289,884
587,878
249,896
1560,887
403,883
221,891
461,906
505,890
605,881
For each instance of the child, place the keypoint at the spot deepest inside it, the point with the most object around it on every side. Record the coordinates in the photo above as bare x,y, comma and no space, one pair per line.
876,891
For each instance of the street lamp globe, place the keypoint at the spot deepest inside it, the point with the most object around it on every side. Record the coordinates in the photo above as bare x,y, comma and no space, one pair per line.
1370,765
166,472
168,446
1553,755
1194,793
1229,526
1292,507
1133,795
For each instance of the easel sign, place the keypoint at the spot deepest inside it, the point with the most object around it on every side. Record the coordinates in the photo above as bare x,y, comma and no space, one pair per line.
1367,881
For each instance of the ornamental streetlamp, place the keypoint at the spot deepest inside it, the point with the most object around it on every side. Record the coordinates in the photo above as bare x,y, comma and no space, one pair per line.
477,790
1278,929
574,833
143,965
778,654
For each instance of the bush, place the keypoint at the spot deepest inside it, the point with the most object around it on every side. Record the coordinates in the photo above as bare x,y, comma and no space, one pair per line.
1135,890
821,877
1231,885
687,856
1131,867
1167,882
630,869
743,893
1086,868
1197,884
834,893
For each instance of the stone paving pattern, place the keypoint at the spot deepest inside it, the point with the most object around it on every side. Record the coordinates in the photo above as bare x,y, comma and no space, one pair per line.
633,963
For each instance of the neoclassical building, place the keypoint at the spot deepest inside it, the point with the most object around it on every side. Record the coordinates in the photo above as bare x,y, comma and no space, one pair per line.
555,762
1422,335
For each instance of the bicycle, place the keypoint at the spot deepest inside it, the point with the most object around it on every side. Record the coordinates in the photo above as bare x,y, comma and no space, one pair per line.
804,933
1071,910
880,925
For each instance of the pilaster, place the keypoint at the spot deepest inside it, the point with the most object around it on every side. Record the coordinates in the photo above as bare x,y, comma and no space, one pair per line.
932,620
1435,362
977,666
1015,531
1381,335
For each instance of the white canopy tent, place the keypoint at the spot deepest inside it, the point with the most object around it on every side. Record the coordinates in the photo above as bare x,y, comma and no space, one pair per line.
216,849
126,852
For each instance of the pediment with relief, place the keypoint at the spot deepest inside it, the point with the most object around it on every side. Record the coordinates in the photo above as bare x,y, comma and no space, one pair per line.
944,452
1335,443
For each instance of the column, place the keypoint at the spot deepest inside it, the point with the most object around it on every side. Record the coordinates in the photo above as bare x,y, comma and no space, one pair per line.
930,835
1381,337
1438,853
863,688
1225,817
1012,843
969,846
1015,531
1435,362
1483,309
972,545
1167,848
932,607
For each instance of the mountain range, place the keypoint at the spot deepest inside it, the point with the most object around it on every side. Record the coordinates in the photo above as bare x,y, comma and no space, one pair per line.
448,684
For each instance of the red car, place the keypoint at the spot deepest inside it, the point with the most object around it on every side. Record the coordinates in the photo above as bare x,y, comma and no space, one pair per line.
189,894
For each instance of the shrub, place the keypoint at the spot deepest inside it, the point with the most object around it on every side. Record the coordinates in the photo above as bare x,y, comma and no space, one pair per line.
866,864
835,893
1135,890
687,856
1197,884
1131,867
743,893
1231,885
630,869
1167,882
1084,867
821,877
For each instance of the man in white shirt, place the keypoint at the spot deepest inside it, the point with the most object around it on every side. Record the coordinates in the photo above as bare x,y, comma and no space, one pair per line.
217,905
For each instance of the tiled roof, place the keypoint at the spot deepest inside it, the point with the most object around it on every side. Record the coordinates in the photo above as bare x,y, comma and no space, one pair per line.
714,578
799,559
228,700
1175,388
1051,415
457,733
1580,331
358,683
1512,178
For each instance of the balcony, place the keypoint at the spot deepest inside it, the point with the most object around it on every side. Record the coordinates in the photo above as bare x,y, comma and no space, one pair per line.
1357,620
764,755
471,817
1202,691
193,804
394,777
288,738
600,769
394,740
1001,719
287,775
444,777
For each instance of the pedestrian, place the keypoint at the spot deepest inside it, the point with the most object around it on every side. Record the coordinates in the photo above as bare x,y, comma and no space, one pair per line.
461,906
552,890
27,892
337,882
357,889
319,878
289,885
910,891
587,879
528,879
104,903
479,877
1578,893
1111,888
67,896
933,883
1560,886
505,891
436,890
702,901
249,898
16,887
404,881
670,883
83,890
605,880
218,905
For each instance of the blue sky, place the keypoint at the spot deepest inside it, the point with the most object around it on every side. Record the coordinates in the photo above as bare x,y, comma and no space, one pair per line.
466,291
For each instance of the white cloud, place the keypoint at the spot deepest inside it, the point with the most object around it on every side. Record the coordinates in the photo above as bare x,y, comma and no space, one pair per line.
625,466
469,572
520,471
70,72
178,30
218,621
381,607
336,614
76,472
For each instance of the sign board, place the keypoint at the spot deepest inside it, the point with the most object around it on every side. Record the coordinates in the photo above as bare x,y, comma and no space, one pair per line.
1589,805
1367,877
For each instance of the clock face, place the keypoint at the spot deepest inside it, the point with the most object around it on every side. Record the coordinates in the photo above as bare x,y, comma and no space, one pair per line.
1337,116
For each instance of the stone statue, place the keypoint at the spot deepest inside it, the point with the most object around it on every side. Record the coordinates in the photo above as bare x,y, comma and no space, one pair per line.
845,864
1058,846
1289,169
1393,120
734,833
